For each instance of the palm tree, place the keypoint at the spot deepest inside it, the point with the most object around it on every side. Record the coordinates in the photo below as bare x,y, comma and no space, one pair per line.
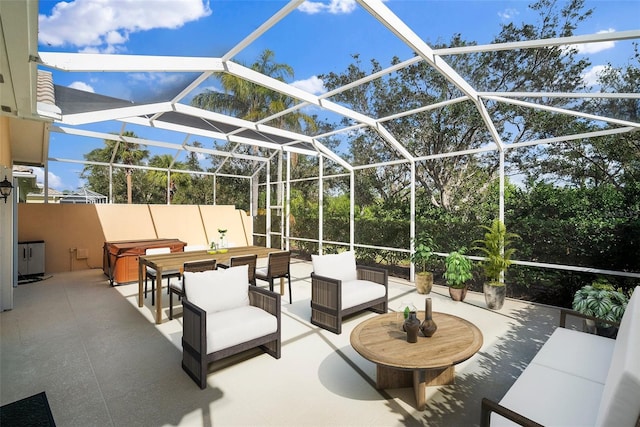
253,102
129,154
122,152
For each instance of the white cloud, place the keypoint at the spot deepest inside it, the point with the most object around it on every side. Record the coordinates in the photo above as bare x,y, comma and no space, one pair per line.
334,7
590,77
587,48
508,14
312,85
54,180
82,86
103,24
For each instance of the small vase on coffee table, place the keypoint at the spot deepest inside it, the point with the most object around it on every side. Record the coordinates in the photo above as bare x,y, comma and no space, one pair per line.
412,325
428,326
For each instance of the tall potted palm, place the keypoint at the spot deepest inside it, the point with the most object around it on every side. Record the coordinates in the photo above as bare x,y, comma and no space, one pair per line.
496,246
420,257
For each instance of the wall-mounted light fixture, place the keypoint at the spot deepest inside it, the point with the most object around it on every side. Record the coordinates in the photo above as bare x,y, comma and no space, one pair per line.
5,188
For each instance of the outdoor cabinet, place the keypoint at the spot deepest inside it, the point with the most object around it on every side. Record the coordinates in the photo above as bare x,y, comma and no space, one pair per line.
30,258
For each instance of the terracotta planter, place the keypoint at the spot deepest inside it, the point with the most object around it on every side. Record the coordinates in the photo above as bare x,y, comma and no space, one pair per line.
424,282
494,295
458,294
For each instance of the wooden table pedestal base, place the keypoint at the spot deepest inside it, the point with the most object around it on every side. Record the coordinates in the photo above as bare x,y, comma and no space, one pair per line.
387,377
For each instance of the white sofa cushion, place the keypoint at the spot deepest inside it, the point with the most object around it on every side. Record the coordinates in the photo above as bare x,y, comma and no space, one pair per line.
340,266
620,405
218,290
231,327
577,353
356,292
552,398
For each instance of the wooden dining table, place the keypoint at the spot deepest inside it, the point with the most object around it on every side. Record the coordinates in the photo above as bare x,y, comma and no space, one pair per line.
176,260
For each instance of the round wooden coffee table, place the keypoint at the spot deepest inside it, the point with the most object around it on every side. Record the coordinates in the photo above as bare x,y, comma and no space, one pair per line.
431,361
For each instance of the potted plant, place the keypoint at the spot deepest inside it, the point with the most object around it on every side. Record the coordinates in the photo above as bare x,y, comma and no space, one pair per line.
600,299
457,274
420,257
496,248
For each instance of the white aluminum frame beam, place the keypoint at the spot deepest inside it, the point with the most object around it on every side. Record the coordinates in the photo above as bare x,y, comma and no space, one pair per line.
534,44
153,143
564,111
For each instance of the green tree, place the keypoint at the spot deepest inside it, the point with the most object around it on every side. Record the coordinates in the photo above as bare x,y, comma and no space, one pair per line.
124,179
460,182
192,188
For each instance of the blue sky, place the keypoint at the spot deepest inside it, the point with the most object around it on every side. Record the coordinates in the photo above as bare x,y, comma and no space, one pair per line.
319,37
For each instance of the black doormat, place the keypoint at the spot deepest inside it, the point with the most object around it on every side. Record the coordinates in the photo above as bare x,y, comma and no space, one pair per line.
28,412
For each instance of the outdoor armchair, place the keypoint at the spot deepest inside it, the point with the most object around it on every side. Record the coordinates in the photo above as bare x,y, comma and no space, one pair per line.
339,288
222,316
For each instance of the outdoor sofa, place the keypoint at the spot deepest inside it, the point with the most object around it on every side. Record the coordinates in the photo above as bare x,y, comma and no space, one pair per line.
577,379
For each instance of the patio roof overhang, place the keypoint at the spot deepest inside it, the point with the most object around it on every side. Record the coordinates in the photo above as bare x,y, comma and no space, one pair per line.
23,94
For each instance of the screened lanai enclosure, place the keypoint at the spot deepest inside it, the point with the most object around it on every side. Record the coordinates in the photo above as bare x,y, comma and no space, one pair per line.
426,145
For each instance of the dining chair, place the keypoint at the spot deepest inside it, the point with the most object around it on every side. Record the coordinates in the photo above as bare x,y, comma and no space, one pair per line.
177,287
277,267
250,260
151,273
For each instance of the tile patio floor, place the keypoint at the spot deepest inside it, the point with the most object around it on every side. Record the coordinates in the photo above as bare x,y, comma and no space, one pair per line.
103,362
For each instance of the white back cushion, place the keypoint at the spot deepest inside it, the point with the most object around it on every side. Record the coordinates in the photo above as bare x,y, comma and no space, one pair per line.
218,290
340,266
620,404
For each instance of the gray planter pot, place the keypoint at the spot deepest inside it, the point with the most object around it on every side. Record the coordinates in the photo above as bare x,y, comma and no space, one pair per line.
494,296
604,330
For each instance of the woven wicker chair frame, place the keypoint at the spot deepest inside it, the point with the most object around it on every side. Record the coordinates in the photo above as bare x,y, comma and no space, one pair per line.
326,298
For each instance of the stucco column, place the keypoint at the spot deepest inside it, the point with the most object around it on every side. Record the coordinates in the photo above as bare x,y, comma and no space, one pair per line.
7,268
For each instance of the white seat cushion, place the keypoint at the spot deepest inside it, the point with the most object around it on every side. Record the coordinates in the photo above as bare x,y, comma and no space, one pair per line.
620,405
340,266
218,290
577,353
231,327
357,292
177,285
552,398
